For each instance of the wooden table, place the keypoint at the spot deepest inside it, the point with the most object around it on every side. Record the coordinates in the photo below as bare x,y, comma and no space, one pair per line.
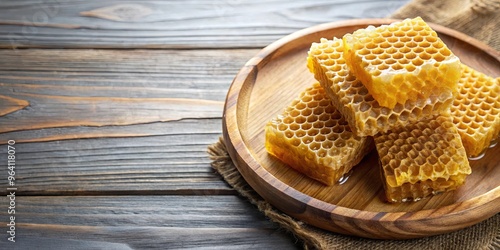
109,107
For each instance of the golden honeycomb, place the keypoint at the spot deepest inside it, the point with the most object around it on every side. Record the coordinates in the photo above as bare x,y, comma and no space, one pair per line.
365,115
312,137
401,61
421,159
476,110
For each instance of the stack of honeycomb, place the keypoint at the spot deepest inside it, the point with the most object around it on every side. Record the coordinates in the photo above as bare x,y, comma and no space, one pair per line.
396,83
421,159
313,137
401,61
476,110
365,115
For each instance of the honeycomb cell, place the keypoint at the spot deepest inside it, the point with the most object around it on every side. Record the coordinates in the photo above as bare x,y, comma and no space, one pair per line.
393,79
414,166
476,110
327,150
365,115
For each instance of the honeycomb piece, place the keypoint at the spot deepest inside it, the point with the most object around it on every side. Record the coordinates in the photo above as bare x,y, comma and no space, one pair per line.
401,61
364,114
476,110
312,137
421,159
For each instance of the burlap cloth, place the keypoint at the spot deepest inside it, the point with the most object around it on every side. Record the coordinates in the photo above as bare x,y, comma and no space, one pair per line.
477,18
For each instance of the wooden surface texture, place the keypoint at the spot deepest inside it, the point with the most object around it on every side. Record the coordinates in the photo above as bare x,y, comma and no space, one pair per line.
112,105
171,24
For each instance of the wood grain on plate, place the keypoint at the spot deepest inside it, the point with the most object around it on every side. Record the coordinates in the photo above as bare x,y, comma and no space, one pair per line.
274,77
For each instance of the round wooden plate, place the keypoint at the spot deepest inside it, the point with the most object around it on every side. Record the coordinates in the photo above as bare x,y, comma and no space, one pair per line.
274,77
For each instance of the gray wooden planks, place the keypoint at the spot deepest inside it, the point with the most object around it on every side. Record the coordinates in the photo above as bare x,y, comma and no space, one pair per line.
108,121
171,24
142,222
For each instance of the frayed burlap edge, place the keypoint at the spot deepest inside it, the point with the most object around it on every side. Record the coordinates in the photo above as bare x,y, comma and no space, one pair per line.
222,163
485,235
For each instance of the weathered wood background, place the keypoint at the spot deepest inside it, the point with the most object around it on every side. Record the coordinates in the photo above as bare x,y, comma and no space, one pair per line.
112,105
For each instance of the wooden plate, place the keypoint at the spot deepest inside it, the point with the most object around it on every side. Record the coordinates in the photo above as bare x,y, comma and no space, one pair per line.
274,77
